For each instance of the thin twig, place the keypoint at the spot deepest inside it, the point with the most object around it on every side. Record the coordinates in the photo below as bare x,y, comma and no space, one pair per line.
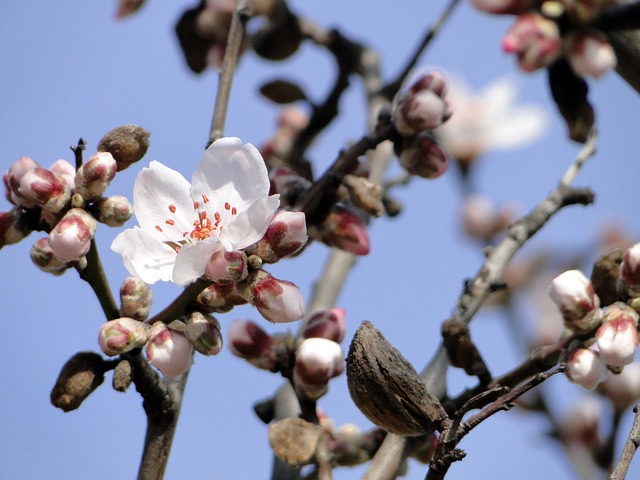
229,62
94,275
629,449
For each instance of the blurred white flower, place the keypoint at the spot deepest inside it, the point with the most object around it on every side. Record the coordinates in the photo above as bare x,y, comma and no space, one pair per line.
488,120
226,207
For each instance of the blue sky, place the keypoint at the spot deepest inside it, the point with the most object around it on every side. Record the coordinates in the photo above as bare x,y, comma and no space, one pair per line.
70,70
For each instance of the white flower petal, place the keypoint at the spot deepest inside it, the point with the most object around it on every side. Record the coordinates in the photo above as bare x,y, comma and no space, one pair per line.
144,255
520,126
156,189
192,260
234,172
250,226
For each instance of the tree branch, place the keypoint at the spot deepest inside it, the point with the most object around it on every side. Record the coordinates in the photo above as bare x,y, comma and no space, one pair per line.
629,449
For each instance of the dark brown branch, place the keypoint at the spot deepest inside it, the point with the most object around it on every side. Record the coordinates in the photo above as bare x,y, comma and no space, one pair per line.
179,305
629,449
78,150
94,275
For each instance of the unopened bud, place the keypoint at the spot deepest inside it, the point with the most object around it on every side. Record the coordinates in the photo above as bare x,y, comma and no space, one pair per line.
502,7
422,156
226,267
247,340
286,182
44,258
219,298
590,54
585,368
318,360
345,230
617,338
66,171
422,106
535,40
574,295
93,178
127,144
203,331
71,237
13,226
630,268
114,210
136,298
329,324
286,234
80,376
169,351
13,177
277,300
122,335
44,188
623,390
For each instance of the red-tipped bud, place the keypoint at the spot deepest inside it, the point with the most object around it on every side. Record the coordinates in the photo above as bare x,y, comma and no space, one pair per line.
114,210
422,106
44,188
511,7
13,226
329,324
617,338
535,40
574,295
585,368
422,156
169,351
630,267
44,258
226,267
203,331
345,230
136,297
65,170
277,300
590,54
287,233
318,360
13,177
93,178
122,335
71,237
219,298
247,340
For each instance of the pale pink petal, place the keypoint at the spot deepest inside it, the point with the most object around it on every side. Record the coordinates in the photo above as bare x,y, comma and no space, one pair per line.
192,260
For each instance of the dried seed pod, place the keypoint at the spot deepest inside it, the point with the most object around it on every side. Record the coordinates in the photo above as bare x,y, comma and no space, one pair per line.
604,276
295,440
127,143
387,389
122,376
81,375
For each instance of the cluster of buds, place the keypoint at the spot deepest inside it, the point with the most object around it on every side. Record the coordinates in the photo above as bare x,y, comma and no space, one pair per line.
537,39
574,295
319,357
414,113
286,235
67,202
343,229
249,341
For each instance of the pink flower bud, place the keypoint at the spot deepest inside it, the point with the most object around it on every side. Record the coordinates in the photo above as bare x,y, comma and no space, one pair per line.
501,7
573,293
318,360
44,188
623,390
287,233
93,178
535,40
590,54
219,298
169,351
136,297
422,106
630,267
122,335
585,368
13,177
422,156
226,267
66,171
13,226
114,210
329,324
44,258
345,230
203,331
277,300
617,338
247,340
71,237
